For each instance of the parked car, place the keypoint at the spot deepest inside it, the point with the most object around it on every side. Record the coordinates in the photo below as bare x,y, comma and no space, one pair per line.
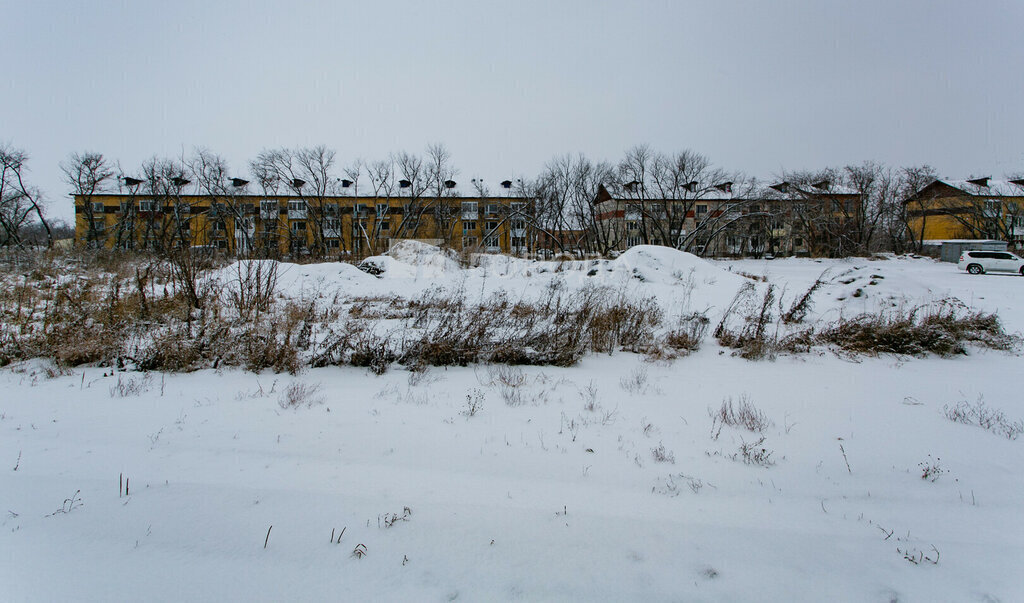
980,262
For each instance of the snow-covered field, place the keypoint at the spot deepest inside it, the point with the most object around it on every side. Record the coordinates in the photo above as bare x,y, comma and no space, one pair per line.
608,480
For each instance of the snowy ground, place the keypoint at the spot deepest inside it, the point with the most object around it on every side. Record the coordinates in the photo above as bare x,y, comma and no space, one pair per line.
603,481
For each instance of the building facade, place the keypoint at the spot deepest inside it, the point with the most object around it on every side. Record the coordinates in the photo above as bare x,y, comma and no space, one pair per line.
324,226
724,219
980,208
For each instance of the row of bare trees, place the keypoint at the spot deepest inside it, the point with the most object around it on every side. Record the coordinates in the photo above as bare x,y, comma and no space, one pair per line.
664,191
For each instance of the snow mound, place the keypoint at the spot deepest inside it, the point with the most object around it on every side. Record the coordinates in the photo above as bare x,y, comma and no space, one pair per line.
293,280
411,259
656,264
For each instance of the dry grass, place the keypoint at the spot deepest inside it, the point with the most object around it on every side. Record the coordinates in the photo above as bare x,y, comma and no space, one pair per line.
142,312
943,330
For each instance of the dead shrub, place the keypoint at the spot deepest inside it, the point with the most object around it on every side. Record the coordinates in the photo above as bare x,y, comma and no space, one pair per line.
943,330
743,415
252,289
372,352
990,419
798,311
689,334
300,394
750,339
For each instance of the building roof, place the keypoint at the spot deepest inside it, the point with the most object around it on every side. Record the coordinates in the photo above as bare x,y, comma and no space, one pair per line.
782,191
990,188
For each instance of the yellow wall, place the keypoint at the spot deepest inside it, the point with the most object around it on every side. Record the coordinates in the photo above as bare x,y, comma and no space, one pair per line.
944,217
139,229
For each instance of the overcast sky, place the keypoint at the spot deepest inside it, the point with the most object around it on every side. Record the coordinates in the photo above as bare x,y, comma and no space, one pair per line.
757,86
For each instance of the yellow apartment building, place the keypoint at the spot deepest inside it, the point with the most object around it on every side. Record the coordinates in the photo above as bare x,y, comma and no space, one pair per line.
328,226
980,208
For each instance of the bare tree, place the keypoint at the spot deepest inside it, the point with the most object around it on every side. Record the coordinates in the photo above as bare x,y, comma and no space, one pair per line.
439,172
228,200
89,174
18,201
307,173
911,180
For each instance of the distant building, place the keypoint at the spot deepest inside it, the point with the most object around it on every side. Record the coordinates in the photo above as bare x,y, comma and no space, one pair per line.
980,208
718,219
272,225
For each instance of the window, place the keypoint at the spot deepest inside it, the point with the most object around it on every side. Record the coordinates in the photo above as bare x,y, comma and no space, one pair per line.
219,226
468,226
493,209
147,206
469,210
296,206
492,237
798,242
385,225
632,226
333,243
332,224
382,209
97,207
702,211
298,226
518,207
